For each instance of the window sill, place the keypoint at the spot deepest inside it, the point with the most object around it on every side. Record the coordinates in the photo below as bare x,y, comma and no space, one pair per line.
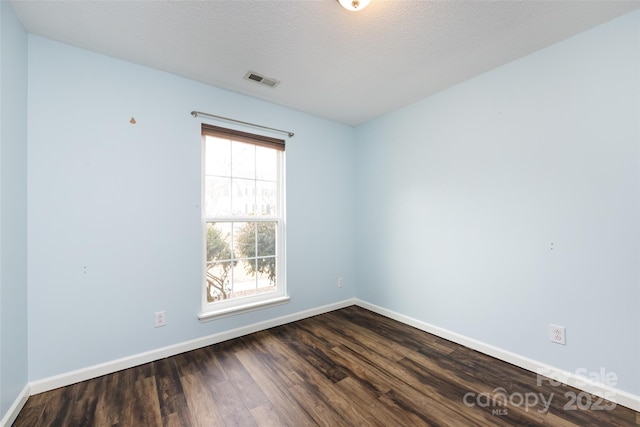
245,308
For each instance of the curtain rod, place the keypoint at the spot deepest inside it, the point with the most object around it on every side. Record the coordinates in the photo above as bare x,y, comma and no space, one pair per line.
200,113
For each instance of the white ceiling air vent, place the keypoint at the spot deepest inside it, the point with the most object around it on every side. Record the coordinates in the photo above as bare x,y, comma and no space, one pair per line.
266,81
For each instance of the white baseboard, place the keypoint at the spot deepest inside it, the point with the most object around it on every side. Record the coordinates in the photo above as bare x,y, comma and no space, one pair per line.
95,371
620,397
14,410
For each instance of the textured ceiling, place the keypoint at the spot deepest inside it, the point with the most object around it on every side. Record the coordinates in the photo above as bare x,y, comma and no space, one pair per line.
344,66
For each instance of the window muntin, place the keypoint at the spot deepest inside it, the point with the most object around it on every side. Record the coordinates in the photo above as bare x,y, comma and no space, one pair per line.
243,226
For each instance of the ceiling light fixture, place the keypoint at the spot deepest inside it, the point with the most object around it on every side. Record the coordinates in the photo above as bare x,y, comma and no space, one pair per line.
354,5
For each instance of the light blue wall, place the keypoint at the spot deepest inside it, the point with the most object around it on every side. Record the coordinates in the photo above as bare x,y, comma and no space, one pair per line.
460,196
13,208
122,201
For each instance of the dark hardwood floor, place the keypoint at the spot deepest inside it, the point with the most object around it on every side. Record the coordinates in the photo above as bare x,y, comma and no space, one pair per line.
350,367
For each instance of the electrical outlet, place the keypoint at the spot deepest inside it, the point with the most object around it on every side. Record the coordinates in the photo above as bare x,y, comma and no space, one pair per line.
160,319
340,282
557,334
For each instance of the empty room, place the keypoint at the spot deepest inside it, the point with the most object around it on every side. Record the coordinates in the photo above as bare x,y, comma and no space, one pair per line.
319,212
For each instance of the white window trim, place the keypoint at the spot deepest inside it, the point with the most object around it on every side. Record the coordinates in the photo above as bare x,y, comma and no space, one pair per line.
216,310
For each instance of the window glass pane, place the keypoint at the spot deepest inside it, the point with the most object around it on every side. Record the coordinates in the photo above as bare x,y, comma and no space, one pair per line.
243,201
219,241
217,156
266,270
266,164
244,239
266,236
266,198
243,160
218,280
265,283
217,196
244,283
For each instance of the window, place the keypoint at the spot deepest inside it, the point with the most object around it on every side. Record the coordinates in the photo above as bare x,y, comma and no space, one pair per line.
243,221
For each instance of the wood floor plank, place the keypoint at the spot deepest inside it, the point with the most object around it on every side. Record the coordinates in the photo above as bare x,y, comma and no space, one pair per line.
231,405
301,344
349,367
33,412
84,397
199,402
405,392
406,336
57,409
250,393
147,406
122,402
381,413
173,405
266,416
306,385
107,410
197,387
319,376
281,400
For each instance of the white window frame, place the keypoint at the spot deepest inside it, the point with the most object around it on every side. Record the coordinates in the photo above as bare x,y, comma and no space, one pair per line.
218,309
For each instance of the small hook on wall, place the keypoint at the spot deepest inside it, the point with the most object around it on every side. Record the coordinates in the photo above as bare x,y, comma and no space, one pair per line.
132,121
